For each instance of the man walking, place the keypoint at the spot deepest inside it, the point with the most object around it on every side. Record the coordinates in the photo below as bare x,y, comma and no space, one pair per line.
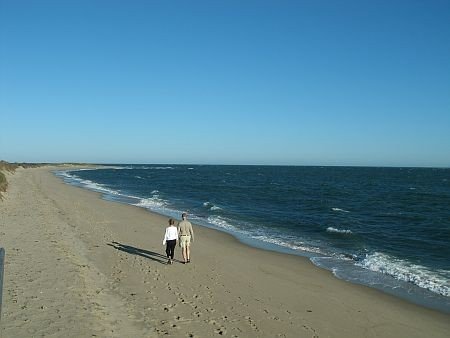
186,236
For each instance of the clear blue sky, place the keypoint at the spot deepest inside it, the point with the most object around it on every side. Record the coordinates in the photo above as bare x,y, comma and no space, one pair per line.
314,82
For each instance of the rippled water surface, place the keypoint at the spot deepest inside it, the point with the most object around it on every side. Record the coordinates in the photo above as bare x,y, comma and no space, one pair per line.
384,227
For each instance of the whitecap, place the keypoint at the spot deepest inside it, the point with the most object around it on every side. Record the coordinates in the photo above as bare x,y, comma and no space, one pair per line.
339,209
152,202
339,231
211,206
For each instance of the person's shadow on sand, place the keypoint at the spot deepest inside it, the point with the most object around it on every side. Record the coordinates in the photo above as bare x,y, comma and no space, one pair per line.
154,256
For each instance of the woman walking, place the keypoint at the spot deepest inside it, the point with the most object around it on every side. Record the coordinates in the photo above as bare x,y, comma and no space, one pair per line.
170,240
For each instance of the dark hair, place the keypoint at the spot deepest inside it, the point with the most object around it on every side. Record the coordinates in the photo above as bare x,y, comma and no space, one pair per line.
171,221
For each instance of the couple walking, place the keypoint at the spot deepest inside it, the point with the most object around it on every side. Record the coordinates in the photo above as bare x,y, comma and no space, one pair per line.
184,234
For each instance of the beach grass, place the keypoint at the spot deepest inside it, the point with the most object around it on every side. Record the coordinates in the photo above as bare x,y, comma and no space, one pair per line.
3,184
6,167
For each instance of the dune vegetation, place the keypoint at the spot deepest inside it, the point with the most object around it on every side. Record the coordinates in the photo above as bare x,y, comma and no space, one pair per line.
6,167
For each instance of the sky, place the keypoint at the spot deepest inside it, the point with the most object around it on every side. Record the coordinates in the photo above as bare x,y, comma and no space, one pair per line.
351,82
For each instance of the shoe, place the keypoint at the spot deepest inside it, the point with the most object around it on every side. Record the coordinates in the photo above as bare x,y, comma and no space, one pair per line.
188,261
169,262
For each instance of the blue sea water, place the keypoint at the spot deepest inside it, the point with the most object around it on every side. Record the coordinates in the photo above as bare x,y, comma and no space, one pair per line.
387,228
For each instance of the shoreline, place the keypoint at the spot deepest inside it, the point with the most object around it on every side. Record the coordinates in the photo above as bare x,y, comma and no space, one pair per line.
348,271
229,289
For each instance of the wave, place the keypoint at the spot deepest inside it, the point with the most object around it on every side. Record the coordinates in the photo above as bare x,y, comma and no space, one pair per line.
419,275
130,167
157,168
339,209
224,223
221,222
298,246
149,203
152,202
339,231
68,176
119,167
211,206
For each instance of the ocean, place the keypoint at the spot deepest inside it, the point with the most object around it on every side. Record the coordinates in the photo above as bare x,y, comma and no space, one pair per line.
387,228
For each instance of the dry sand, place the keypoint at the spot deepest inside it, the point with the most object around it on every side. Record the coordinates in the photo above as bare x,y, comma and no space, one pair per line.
80,266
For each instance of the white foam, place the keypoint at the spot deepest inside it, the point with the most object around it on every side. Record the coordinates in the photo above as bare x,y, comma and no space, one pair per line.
120,168
87,183
211,206
139,167
159,168
339,231
339,209
64,174
294,246
95,186
152,202
405,271
98,187
220,222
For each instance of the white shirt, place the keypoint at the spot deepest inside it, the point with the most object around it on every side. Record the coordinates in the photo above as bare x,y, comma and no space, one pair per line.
171,233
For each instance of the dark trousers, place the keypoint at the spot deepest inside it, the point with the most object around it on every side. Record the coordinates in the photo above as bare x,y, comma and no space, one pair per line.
170,247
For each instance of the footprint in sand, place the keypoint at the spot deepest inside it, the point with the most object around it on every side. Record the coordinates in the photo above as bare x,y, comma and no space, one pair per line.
221,331
162,332
310,329
252,323
169,307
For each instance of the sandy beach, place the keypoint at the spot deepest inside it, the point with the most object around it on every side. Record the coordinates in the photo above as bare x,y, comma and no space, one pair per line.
80,266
